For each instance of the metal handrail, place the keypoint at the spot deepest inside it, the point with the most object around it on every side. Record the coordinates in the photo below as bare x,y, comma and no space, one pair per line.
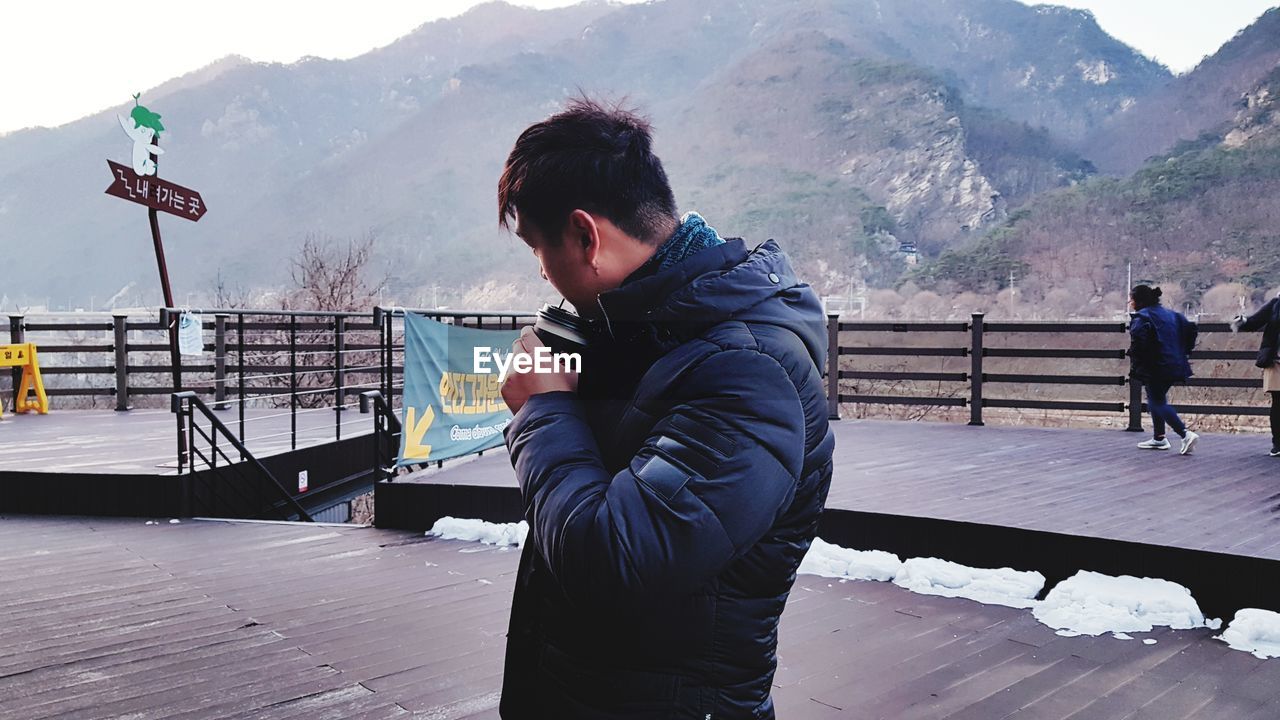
386,429
183,404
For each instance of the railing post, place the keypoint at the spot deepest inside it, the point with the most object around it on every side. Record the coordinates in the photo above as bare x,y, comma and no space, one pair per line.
1135,397
17,336
120,326
388,357
380,321
833,366
293,382
366,406
181,410
220,362
240,381
975,371
339,364
1135,405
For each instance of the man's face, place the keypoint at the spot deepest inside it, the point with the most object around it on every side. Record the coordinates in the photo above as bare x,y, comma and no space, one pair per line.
567,266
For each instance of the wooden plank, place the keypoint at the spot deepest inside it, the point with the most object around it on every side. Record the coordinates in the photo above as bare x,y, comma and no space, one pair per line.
425,635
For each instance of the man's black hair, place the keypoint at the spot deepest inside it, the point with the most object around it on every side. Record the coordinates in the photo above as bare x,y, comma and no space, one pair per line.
590,157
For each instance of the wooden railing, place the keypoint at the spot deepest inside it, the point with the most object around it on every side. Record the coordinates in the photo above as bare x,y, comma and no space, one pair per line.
311,360
1042,366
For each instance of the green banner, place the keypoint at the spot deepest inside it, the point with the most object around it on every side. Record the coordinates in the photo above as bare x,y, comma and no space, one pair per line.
450,409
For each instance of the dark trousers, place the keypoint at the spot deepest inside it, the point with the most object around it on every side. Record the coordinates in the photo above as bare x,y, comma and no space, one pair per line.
1275,421
1162,412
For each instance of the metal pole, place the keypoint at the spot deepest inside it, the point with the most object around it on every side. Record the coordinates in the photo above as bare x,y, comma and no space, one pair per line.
153,218
380,321
293,381
220,362
388,358
1135,399
120,326
240,372
379,430
833,366
339,372
181,409
975,371
17,336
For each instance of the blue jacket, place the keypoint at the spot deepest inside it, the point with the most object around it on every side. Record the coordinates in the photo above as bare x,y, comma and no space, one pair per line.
671,499
1162,341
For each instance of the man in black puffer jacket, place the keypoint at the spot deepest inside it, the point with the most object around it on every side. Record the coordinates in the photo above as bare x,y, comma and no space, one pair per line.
673,488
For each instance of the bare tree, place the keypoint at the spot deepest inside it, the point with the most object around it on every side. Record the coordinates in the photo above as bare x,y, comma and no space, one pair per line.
332,275
226,296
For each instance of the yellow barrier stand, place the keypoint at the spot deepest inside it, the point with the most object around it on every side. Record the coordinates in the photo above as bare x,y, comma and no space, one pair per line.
24,356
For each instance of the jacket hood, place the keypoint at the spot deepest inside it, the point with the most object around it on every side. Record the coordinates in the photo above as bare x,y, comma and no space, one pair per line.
725,282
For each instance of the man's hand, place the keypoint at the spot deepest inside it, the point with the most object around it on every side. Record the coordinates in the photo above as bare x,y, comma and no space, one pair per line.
519,386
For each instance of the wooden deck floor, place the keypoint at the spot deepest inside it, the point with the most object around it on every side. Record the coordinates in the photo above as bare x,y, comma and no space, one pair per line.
110,618
145,441
1225,497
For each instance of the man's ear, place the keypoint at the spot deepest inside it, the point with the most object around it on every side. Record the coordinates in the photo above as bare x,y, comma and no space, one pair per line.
582,229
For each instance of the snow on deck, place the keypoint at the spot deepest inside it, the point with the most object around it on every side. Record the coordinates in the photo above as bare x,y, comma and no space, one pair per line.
112,617
1224,498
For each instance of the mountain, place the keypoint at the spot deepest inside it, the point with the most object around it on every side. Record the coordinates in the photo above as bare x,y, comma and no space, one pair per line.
843,127
1205,213
1186,106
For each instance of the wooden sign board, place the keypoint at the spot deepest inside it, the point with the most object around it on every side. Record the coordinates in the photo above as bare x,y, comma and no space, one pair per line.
155,193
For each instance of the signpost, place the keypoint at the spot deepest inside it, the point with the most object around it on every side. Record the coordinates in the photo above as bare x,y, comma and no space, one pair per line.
155,193
141,185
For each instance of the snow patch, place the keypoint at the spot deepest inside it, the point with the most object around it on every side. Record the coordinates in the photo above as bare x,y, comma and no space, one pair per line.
1097,72
1254,631
1002,586
833,561
1087,603
450,528
1090,603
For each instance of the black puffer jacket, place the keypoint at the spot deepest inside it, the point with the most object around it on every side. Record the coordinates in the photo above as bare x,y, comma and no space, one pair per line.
1267,319
672,498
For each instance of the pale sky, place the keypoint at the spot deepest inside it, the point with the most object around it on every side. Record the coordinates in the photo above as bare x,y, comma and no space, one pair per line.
61,59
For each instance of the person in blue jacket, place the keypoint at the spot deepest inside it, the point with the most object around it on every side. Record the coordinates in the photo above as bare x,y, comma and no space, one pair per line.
673,487
1160,349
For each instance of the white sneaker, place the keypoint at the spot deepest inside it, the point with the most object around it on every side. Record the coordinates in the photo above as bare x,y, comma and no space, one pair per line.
1188,443
1154,444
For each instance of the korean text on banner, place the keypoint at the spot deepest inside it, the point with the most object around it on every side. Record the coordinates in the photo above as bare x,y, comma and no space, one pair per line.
450,409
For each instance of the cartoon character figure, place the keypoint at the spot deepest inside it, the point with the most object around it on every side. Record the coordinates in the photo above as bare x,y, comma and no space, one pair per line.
143,127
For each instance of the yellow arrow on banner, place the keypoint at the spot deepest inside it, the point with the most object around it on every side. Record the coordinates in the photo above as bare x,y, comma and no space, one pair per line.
415,430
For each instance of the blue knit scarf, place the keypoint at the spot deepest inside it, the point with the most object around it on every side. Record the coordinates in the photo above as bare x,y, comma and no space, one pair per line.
693,235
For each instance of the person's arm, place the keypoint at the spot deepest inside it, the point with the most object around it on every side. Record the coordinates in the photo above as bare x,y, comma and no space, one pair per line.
1139,337
1256,321
1190,335
707,484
